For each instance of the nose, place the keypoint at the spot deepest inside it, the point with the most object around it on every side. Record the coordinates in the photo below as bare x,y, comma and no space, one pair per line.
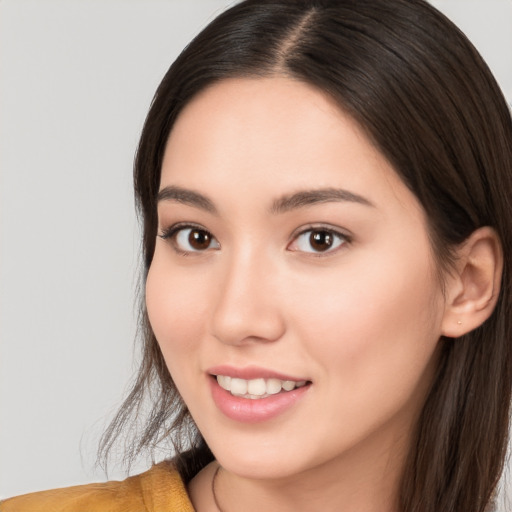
248,307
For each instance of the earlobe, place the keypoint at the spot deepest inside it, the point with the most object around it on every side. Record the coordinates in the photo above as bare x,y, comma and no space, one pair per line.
473,289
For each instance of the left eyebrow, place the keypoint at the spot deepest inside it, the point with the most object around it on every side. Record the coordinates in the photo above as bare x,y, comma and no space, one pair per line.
310,197
188,197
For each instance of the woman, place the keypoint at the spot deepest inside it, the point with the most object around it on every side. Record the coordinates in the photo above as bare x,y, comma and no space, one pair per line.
325,192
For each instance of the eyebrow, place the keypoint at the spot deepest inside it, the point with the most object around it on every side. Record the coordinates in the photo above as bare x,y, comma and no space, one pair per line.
283,204
188,197
311,197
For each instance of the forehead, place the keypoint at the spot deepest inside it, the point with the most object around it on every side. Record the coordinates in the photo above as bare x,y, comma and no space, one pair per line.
270,136
276,114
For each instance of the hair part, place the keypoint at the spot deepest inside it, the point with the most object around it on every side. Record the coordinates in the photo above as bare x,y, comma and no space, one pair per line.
428,102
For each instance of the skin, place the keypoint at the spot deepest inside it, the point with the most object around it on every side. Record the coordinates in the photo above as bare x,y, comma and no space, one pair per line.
361,321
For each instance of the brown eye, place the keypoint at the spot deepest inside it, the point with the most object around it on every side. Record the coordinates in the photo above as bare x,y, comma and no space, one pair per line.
199,239
318,241
192,239
321,240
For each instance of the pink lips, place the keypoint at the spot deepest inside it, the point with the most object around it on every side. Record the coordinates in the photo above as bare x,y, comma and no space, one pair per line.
246,410
250,372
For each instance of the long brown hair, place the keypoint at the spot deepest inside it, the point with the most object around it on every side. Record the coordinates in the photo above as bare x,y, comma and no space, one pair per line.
428,102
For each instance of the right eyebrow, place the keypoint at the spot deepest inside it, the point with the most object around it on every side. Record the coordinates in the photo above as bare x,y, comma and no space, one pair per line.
305,198
188,197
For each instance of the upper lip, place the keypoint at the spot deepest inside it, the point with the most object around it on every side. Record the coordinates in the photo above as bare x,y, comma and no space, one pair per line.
251,372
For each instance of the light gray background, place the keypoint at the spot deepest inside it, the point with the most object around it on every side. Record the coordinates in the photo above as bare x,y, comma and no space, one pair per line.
77,77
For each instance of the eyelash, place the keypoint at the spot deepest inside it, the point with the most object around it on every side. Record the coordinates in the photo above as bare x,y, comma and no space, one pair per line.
172,232
342,238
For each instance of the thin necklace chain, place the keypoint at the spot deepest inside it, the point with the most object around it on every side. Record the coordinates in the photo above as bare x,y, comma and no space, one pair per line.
214,479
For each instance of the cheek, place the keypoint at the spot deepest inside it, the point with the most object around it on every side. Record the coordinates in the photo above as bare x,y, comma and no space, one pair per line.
377,324
176,311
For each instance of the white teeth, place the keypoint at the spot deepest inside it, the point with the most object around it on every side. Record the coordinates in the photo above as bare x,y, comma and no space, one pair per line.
224,381
288,385
273,386
256,388
238,386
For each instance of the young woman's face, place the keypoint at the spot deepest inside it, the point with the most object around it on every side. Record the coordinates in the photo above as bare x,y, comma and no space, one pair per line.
294,264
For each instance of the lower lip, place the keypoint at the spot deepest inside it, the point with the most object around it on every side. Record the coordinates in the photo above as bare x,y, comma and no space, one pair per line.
247,410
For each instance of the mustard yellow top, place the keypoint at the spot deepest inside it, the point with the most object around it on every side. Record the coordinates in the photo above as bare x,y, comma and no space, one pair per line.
160,489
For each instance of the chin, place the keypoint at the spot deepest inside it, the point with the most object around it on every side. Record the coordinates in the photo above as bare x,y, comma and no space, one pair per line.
254,458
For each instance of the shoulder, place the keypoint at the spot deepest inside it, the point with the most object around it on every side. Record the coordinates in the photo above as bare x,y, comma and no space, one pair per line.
160,489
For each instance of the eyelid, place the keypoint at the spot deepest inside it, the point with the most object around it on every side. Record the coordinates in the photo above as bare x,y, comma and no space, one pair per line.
170,232
346,238
336,231
166,233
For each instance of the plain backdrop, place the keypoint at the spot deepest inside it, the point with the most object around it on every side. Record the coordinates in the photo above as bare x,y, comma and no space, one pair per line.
76,80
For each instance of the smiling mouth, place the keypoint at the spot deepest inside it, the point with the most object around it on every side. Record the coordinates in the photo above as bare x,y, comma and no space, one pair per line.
257,388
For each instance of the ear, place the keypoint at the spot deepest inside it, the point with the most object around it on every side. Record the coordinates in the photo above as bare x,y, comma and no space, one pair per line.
472,290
